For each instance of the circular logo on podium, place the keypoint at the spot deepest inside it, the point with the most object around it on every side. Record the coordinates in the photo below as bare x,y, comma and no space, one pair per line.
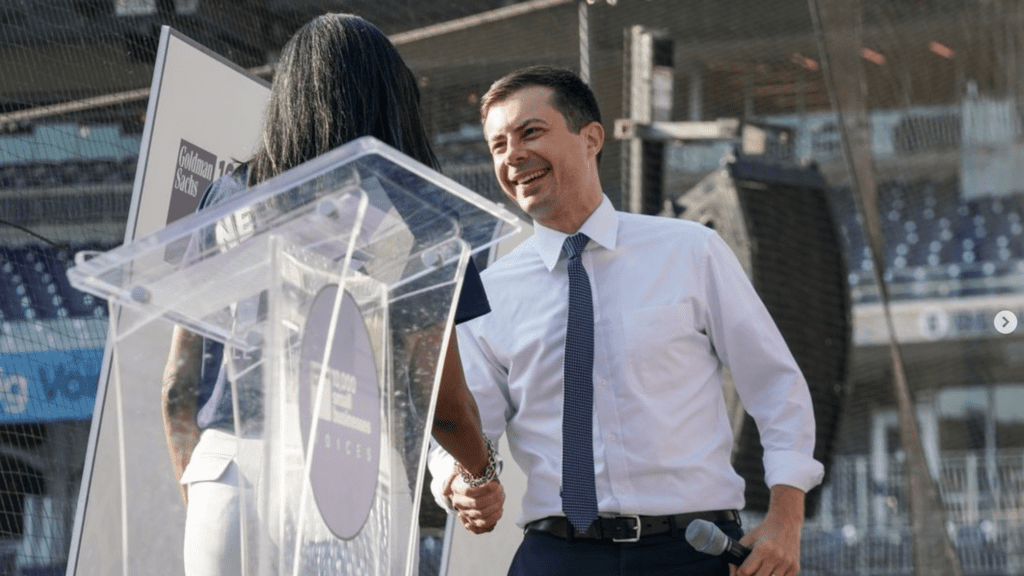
346,409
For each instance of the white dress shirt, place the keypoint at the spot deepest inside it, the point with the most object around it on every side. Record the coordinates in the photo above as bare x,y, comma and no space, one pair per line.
671,306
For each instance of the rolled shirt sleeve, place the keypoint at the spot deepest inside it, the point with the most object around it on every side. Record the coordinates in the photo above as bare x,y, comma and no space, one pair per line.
768,380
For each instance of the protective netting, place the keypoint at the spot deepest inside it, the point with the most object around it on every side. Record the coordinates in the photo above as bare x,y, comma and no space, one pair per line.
905,113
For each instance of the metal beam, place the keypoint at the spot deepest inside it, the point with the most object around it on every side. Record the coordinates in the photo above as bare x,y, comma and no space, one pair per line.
468,22
721,129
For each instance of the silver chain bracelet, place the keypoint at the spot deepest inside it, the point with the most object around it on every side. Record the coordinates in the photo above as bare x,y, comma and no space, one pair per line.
490,473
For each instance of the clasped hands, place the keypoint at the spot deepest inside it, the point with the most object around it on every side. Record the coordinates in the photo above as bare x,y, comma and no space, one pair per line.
478,509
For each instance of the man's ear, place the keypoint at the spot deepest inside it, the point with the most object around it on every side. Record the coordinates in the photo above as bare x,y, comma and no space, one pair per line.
594,134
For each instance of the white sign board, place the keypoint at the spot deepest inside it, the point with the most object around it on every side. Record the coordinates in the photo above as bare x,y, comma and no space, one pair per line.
204,115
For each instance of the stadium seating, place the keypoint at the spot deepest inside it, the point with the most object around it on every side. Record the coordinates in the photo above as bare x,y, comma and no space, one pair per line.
33,280
936,242
34,285
40,174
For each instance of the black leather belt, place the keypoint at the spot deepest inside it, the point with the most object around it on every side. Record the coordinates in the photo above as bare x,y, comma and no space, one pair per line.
629,528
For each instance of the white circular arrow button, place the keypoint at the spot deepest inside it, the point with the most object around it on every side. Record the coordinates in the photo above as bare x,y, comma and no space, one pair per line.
1006,322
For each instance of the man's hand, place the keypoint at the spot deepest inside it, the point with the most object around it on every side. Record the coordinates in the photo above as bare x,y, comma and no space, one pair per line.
478,509
775,543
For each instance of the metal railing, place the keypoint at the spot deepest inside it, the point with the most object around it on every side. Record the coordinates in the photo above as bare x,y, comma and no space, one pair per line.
863,527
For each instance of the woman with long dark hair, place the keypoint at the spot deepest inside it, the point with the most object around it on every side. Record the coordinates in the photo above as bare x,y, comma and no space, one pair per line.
338,78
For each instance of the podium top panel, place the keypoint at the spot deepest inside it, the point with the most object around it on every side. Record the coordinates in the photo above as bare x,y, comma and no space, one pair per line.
363,203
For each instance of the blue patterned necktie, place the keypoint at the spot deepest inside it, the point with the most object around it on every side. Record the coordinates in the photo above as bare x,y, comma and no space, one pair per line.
579,497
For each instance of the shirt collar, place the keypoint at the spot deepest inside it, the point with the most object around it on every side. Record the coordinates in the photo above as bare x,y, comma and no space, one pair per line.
601,227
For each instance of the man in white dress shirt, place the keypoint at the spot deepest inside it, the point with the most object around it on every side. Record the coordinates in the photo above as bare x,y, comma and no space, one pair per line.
671,306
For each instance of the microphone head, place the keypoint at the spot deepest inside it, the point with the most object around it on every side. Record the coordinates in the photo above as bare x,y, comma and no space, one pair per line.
706,537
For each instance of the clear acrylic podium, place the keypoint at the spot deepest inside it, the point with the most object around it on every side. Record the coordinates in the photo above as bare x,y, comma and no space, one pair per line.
332,288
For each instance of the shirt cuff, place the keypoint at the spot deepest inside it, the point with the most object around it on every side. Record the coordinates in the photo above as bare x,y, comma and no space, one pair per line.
792,469
441,465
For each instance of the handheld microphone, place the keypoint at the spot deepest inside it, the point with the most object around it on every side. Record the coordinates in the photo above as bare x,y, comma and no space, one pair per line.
709,539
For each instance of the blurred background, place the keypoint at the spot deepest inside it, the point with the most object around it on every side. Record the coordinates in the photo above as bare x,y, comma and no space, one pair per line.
863,157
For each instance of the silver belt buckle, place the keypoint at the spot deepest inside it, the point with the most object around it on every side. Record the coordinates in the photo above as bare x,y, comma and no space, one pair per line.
635,537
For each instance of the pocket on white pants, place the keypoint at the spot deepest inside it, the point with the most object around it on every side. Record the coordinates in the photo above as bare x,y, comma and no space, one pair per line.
205,468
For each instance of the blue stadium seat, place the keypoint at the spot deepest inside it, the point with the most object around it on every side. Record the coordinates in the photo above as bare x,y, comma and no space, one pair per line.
126,169
71,172
67,173
34,285
100,171
10,307
43,174
1013,227
21,300
34,296
8,175
958,246
13,176
78,304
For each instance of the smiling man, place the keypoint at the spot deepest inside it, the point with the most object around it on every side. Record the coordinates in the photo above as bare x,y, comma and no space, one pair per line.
602,360
546,166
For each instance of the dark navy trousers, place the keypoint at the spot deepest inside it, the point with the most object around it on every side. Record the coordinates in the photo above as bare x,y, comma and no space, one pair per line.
542,554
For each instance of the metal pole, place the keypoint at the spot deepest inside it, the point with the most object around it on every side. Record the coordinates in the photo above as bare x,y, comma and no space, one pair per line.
584,19
639,110
838,25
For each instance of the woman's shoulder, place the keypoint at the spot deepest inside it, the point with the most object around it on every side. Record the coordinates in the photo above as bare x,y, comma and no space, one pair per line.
225,187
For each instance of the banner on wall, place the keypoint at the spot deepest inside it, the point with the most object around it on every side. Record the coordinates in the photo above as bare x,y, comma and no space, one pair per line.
48,385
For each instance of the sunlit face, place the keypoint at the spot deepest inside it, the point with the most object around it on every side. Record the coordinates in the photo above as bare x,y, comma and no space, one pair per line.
546,168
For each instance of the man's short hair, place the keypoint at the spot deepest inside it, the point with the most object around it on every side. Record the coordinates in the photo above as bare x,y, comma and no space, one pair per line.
570,95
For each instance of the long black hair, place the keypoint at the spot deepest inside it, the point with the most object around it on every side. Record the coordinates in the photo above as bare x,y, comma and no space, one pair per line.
338,78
